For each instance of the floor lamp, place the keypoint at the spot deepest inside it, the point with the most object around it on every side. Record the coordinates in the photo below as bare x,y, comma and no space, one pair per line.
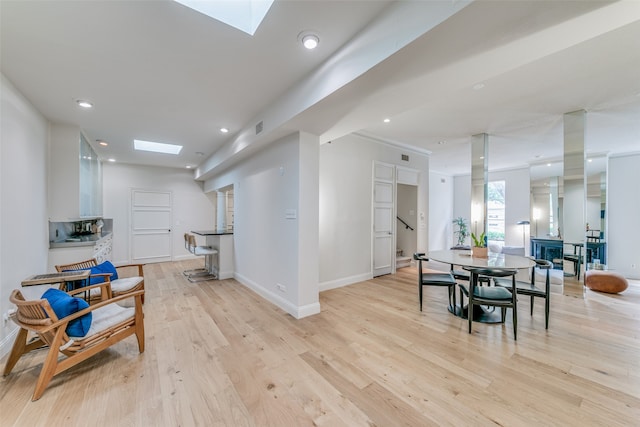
523,223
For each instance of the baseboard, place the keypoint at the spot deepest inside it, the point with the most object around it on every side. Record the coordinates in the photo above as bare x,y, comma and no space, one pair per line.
296,311
338,283
7,342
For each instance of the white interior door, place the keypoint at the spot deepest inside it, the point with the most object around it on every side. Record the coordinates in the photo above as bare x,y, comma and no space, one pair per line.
383,219
151,235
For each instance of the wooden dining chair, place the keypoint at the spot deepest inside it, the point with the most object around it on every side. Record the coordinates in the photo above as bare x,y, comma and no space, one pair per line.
493,296
435,279
531,288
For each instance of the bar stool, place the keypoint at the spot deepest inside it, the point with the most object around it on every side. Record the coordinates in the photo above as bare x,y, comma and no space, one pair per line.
208,252
192,271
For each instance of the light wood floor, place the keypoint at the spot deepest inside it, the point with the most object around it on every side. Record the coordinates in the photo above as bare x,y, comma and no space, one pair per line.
218,355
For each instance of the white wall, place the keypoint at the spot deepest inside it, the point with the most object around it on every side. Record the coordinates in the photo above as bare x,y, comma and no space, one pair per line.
192,209
23,198
346,166
623,212
441,193
270,249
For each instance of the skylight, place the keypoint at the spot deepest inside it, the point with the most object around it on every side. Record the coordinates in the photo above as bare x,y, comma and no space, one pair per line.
156,147
245,15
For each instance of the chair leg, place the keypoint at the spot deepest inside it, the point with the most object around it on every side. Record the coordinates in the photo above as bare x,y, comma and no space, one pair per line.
452,295
546,312
420,294
139,325
515,317
470,310
18,349
532,299
49,366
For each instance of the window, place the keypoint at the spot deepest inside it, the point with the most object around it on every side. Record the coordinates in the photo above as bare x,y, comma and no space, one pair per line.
495,211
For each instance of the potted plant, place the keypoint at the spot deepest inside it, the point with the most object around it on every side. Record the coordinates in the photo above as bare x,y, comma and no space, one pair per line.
479,249
462,232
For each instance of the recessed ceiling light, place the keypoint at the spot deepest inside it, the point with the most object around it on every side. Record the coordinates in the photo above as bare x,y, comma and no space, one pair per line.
309,39
156,147
224,130
112,160
482,157
188,166
103,143
590,160
548,164
84,104
386,120
478,86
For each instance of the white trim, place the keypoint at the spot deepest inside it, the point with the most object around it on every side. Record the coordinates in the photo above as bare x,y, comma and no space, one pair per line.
5,344
344,281
394,144
296,311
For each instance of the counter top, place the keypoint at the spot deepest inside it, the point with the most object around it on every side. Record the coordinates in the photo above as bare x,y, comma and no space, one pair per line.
211,232
88,240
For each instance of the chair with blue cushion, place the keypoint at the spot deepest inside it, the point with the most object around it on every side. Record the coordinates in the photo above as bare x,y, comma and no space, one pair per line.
69,326
124,279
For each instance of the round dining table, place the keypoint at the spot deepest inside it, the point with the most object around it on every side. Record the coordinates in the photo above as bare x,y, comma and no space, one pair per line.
497,261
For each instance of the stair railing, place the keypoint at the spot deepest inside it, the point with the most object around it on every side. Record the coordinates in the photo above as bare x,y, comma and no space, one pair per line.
405,224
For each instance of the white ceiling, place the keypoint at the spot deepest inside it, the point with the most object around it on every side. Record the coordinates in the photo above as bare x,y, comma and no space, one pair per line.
156,70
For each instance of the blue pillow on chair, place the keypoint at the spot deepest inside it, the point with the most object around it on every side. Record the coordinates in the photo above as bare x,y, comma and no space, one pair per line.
105,267
64,305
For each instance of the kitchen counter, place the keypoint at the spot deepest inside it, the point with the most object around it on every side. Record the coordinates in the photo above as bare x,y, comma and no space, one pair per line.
83,240
212,232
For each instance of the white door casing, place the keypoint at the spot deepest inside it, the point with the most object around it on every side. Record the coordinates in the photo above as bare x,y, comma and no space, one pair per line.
151,236
383,219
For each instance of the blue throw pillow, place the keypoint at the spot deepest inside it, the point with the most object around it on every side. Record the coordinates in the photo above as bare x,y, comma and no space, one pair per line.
105,267
64,305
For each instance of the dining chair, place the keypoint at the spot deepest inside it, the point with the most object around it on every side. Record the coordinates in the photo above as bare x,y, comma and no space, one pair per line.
576,259
531,288
435,279
493,296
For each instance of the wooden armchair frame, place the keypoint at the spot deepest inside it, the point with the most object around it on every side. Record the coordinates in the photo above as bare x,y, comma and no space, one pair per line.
38,317
112,292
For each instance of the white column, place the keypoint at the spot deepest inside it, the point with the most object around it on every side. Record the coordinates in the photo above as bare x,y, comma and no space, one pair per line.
221,211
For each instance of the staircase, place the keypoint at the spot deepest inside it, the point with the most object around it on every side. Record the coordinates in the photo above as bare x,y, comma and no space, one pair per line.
401,260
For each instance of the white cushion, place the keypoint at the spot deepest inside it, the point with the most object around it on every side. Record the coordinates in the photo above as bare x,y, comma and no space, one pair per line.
125,283
121,285
205,250
106,317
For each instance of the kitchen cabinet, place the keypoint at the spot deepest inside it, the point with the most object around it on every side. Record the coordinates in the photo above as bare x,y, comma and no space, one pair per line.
75,175
67,253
